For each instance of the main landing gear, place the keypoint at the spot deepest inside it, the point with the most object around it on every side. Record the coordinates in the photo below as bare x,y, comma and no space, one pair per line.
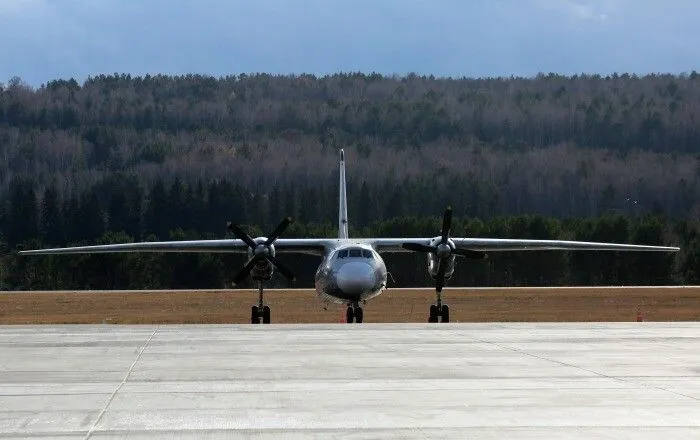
439,312
260,312
260,265
354,314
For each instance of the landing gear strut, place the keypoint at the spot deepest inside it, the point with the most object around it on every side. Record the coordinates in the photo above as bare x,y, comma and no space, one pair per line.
260,311
354,314
439,312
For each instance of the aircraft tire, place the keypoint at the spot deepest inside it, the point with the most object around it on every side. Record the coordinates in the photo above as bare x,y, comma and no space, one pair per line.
433,317
254,315
266,315
359,315
350,315
445,314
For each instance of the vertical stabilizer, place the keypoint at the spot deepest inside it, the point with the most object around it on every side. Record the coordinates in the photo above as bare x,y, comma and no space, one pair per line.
343,205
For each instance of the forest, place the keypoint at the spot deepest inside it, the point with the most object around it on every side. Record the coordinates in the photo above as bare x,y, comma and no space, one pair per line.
124,158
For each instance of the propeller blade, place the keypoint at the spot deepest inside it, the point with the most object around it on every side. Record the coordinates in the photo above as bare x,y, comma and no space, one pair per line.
417,247
240,233
281,267
240,276
476,255
278,231
446,224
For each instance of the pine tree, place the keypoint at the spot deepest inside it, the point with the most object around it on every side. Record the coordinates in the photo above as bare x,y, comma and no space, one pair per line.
157,210
51,223
22,213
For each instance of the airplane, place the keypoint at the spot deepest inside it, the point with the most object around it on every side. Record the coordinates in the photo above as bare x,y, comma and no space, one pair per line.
352,270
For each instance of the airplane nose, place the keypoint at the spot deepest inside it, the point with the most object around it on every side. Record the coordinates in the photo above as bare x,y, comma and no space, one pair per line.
355,277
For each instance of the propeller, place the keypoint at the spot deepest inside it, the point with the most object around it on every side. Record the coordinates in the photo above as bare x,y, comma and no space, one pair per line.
261,251
443,250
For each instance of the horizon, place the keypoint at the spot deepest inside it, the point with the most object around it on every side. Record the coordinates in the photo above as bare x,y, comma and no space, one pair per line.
237,76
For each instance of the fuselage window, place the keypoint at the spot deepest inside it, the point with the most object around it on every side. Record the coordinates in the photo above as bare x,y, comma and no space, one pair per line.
355,253
366,253
343,253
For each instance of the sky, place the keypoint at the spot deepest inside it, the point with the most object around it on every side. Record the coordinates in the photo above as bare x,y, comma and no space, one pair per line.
42,40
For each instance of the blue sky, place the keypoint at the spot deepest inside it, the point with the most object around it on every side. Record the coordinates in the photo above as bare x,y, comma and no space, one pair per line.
42,40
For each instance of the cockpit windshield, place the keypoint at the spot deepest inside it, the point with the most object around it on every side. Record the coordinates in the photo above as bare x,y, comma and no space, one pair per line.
355,253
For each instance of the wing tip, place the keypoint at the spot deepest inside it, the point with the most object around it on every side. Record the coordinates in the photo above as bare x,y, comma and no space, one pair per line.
32,252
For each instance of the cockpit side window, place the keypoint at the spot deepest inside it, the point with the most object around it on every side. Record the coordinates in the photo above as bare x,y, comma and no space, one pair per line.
343,253
366,253
355,253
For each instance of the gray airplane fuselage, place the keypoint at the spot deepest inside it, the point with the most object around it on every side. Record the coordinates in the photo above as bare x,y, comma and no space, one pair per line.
350,273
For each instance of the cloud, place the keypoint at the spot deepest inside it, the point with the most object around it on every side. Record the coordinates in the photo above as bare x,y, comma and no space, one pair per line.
581,10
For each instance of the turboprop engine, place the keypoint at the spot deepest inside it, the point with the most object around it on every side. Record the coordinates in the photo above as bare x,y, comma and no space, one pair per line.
261,254
441,252
262,267
444,252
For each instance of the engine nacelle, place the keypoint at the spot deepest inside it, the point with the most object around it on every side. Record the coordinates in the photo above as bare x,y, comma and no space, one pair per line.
434,260
263,269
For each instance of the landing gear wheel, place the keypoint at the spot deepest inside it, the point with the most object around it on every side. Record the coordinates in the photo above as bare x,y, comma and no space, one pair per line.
445,314
358,315
433,317
266,315
350,315
254,315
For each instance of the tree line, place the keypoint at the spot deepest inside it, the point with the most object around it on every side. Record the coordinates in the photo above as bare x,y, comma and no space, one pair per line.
121,211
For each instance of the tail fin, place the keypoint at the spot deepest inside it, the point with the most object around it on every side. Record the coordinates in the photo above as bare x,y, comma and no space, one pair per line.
343,205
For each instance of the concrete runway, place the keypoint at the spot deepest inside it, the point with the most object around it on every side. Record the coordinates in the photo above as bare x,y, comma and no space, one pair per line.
384,381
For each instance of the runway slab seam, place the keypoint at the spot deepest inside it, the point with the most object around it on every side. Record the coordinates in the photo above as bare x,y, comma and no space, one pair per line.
116,390
588,370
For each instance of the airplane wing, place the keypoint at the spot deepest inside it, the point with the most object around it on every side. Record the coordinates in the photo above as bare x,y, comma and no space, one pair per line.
507,244
313,246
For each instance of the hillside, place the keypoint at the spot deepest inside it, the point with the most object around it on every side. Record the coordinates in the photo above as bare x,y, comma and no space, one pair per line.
554,145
